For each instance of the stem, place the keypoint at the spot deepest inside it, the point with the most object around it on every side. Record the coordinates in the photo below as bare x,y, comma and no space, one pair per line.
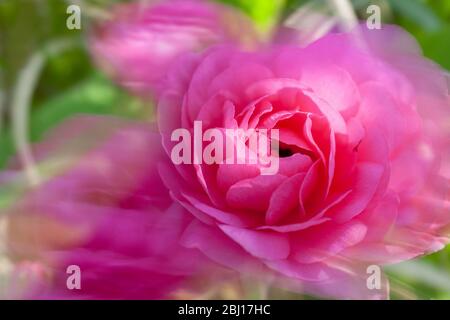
20,105
345,13
313,20
2,110
21,99
264,290
90,11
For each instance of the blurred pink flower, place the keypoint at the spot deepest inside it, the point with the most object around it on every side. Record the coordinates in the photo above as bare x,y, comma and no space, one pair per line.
141,40
363,122
106,212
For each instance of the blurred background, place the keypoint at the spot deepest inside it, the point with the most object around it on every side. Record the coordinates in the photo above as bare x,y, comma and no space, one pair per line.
46,75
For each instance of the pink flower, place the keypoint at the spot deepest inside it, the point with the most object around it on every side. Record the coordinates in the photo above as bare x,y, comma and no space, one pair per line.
362,179
360,117
141,40
106,212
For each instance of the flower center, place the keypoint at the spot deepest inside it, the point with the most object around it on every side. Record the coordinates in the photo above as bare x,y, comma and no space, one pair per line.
287,150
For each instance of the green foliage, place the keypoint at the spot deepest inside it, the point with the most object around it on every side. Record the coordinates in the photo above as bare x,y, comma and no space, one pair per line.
429,22
264,12
27,25
96,95
418,12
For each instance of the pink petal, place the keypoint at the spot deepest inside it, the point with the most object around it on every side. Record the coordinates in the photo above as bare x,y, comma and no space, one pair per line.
254,193
284,199
367,177
262,244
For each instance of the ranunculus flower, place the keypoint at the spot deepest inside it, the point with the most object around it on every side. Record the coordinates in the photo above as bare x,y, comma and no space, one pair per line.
140,41
363,123
104,210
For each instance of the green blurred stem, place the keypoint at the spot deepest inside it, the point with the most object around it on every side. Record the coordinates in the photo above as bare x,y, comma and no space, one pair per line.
345,13
2,110
21,101
90,11
264,290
